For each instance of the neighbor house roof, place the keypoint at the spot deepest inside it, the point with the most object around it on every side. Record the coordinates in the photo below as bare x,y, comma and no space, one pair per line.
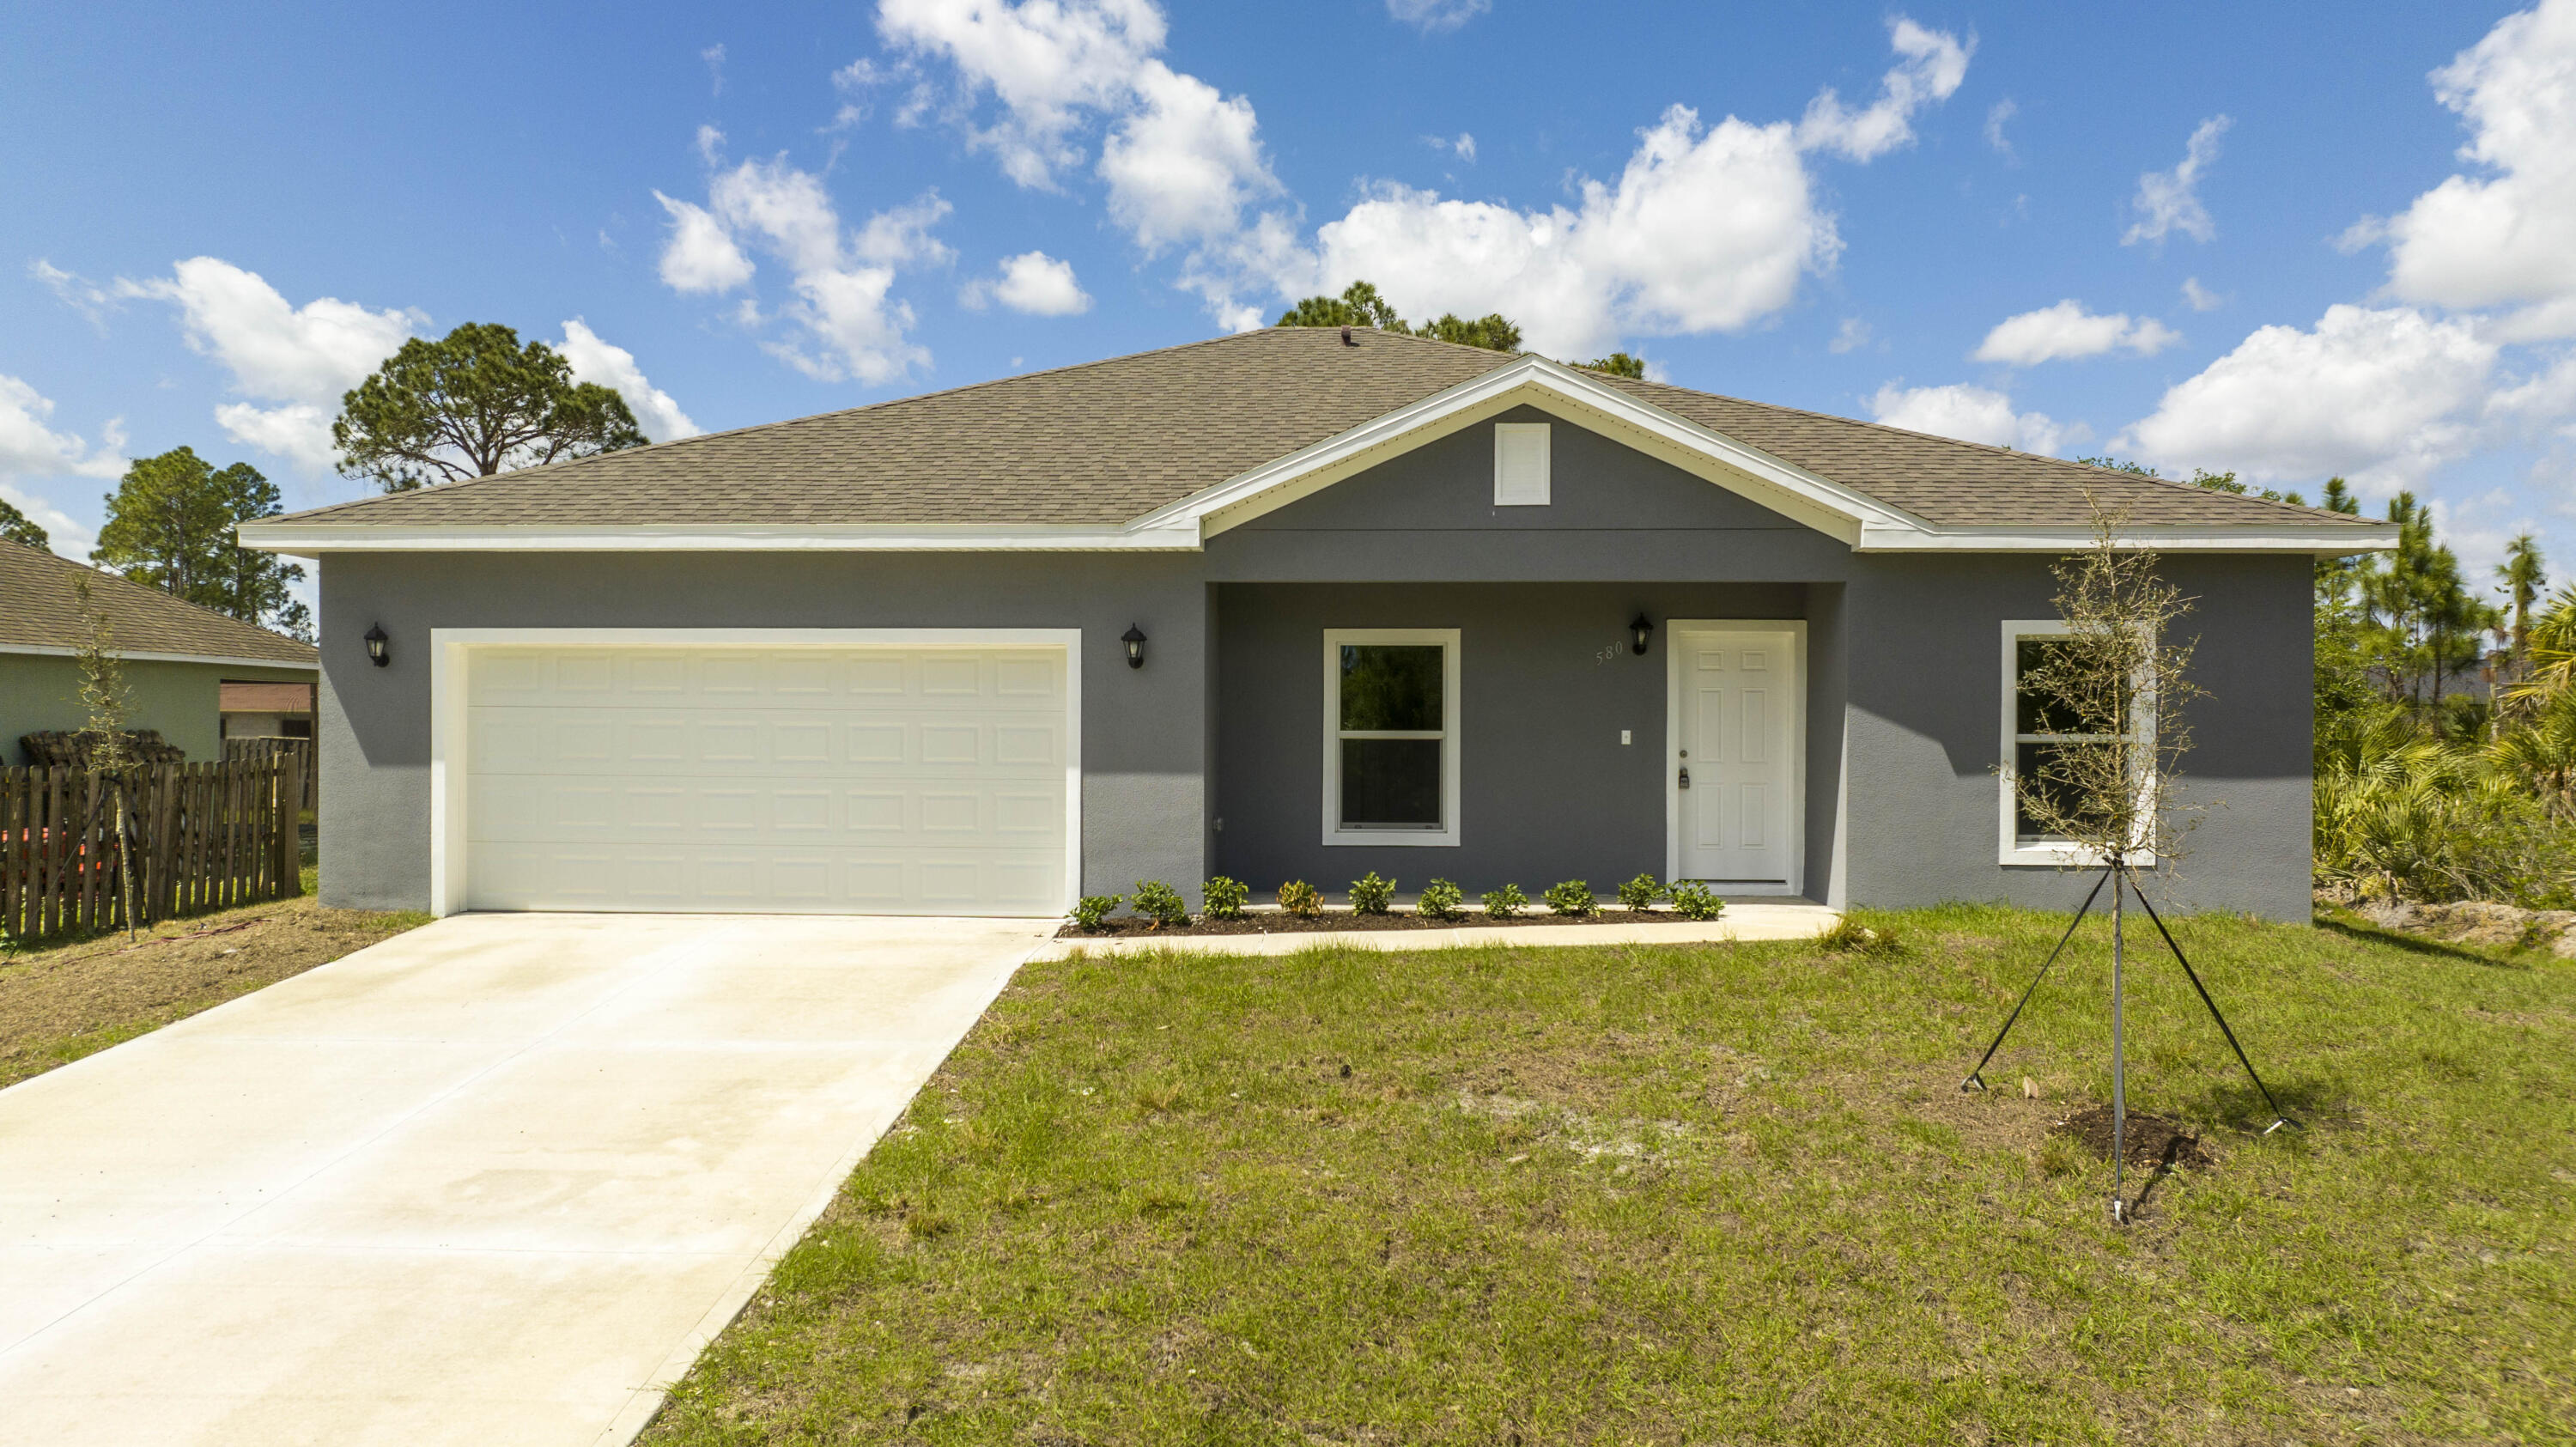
1103,444
40,614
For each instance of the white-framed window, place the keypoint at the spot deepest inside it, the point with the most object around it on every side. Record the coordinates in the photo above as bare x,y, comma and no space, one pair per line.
2031,731
1391,736
1520,464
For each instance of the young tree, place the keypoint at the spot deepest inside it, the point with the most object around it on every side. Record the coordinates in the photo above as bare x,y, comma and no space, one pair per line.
170,526
17,527
103,694
471,404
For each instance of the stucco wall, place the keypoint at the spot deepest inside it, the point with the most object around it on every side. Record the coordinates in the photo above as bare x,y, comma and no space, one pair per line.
1142,730
40,693
1925,674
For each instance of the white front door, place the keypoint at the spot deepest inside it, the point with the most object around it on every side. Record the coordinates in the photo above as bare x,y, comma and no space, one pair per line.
1734,773
868,780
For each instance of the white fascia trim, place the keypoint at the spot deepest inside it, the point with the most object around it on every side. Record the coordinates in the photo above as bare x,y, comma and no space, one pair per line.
2166,538
132,656
449,833
310,540
1530,377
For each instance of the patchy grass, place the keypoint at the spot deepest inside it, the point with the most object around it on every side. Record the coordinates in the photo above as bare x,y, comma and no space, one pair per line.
61,1001
1697,1194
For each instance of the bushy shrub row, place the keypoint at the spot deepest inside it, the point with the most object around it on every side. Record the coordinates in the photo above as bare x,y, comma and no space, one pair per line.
1441,899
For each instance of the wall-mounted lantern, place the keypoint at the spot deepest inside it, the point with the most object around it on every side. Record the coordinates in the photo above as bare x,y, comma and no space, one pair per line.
376,642
1639,630
1134,638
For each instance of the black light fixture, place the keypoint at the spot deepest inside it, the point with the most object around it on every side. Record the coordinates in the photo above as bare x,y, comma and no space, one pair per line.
376,641
1134,638
1639,630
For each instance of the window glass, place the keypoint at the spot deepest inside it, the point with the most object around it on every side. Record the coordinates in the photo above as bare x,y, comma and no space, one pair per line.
1391,688
1391,783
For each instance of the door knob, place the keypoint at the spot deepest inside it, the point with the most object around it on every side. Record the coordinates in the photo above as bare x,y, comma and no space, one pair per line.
1685,776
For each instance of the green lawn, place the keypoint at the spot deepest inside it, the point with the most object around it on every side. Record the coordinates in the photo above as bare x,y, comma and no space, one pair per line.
1697,1194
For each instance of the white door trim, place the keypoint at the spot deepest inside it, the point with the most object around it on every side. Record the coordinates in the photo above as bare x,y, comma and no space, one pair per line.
1796,628
448,833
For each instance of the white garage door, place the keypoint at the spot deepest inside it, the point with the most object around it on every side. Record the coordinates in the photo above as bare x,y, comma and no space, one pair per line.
791,780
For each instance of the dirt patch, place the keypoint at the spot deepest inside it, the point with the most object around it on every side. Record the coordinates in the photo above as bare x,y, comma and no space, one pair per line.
2153,1141
59,1004
1282,923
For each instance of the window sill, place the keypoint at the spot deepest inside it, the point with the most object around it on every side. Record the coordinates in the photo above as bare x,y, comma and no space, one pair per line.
1397,838
2063,856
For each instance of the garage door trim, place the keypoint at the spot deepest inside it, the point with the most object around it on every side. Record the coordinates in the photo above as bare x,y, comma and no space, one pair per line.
448,766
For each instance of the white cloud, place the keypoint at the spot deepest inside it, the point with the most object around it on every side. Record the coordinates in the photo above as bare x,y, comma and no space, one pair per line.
1184,163
2000,112
714,56
1463,146
1430,16
1971,414
1851,336
2200,298
1032,282
30,448
299,358
1050,63
2507,236
843,283
2169,201
595,360
2383,396
1708,228
700,256
77,292
2066,331
1934,63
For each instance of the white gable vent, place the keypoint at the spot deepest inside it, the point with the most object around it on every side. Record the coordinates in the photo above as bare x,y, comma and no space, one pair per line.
1520,464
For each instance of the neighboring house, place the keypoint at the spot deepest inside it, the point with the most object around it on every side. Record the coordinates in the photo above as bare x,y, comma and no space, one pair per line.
268,710
178,657
1289,604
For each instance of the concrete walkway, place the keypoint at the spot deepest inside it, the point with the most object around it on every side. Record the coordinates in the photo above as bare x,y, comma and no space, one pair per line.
494,1181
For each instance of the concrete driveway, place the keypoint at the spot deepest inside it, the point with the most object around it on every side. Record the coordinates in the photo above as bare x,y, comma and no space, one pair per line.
493,1181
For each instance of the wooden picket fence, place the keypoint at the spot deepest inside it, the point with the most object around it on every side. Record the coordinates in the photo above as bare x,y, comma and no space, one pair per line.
203,836
307,757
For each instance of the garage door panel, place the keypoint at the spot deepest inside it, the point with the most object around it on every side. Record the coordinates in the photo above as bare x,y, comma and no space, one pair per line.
881,779
619,876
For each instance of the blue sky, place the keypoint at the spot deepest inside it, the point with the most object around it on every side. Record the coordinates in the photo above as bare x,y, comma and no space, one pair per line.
2283,239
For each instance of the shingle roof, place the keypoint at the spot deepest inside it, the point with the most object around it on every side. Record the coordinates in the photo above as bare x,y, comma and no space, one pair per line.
38,610
1103,443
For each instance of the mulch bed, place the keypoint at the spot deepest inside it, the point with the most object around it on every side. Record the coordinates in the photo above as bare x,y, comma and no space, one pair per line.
1282,923
2153,1141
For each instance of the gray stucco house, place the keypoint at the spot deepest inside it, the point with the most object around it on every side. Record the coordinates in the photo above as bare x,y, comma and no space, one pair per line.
1290,604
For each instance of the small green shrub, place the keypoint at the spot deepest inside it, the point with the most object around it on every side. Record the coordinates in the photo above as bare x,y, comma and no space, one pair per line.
1299,898
1640,892
1162,904
1505,902
1371,895
1441,899
1850,937
1694,900
1225,897
1572,898
1093,910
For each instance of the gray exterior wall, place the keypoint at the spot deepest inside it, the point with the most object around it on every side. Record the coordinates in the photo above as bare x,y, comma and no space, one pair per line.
1224,722
1143,736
